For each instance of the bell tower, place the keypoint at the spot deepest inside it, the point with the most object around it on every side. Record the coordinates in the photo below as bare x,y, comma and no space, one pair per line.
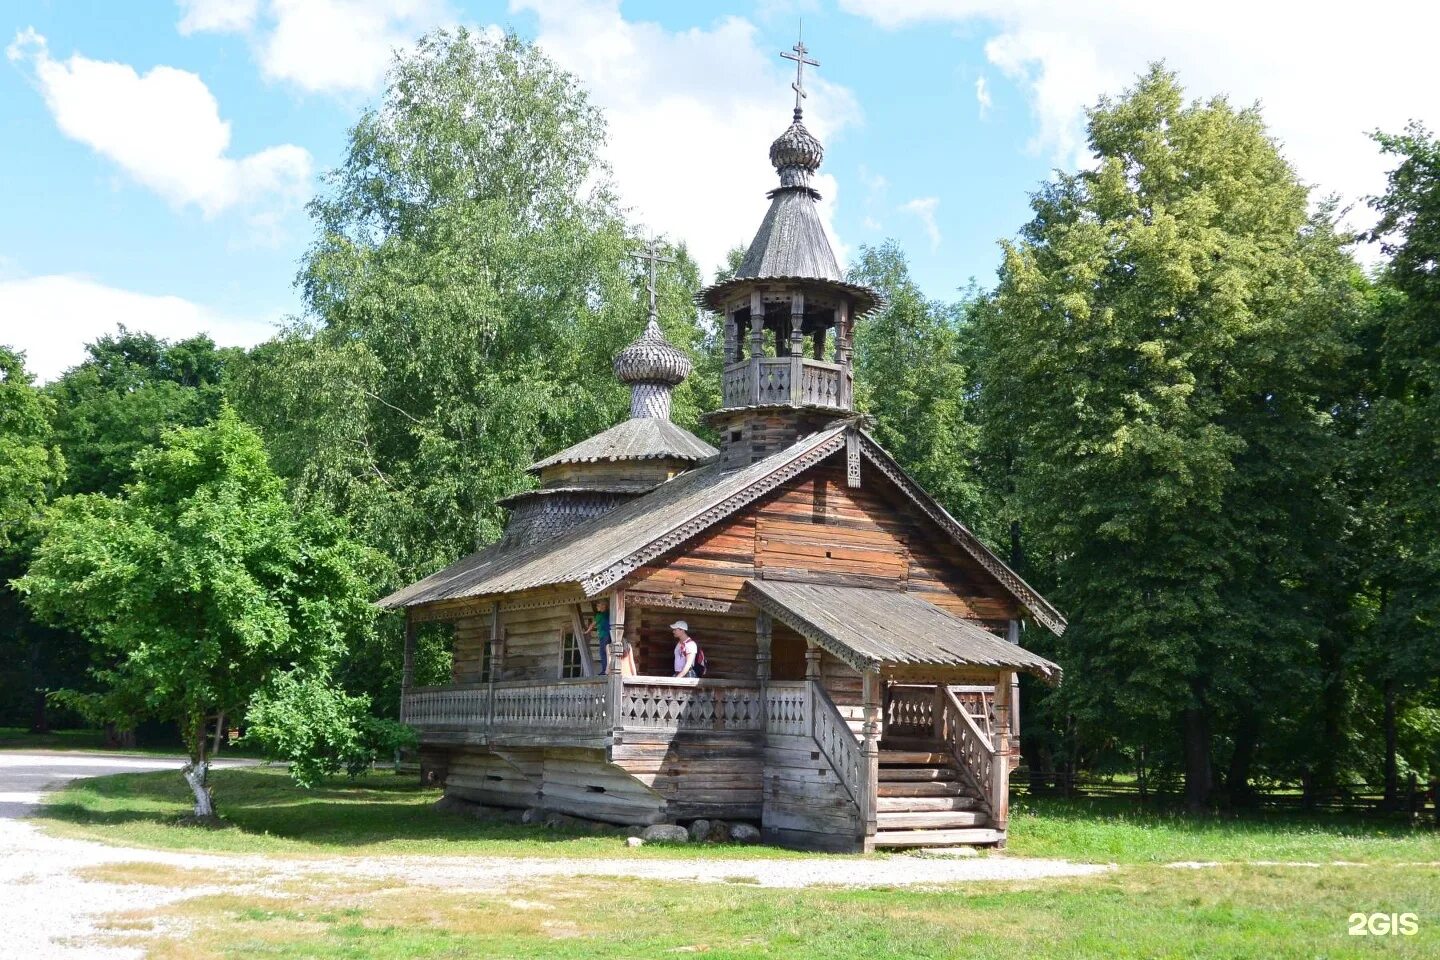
788,313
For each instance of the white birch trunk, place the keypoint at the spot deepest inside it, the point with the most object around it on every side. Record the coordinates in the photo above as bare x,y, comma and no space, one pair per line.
197,776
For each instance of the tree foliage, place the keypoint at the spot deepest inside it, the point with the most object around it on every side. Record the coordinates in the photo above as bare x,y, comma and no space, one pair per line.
466,290
129,390
200,583
31,464
1155,360
911,379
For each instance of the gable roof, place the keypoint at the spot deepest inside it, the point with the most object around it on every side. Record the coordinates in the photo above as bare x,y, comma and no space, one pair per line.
640,438
602,551
866,627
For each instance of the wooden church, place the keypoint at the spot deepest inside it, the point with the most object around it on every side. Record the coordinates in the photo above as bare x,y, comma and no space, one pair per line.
862,644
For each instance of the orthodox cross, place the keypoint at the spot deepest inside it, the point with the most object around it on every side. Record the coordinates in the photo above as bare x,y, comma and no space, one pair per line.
652,254
800,60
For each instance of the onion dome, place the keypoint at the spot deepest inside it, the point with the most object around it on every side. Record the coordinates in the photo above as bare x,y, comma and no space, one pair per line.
796,154
652,359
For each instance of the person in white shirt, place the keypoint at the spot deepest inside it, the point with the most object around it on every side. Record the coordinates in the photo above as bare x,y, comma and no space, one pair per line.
685,649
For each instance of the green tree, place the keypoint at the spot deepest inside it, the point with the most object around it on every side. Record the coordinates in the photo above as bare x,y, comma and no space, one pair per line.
466,290
201,584
1153,365
31,464
32,469
129,390
1401,452
911,378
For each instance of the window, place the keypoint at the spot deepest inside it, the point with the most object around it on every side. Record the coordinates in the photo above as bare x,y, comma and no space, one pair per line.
485,657
571,665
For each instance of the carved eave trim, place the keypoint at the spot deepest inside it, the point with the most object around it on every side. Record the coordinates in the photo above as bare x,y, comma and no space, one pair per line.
608,577
636,598
809,630
483,605
1026,595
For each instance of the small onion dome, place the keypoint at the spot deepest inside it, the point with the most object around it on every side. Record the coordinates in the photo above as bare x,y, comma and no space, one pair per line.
796,147
652,359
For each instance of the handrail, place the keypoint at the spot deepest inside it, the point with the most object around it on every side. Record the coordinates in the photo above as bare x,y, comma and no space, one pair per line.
970,747
837,742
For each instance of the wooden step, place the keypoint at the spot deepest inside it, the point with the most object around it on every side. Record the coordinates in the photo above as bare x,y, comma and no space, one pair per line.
914,804
931,820
975,836
916,773
912,756
940,788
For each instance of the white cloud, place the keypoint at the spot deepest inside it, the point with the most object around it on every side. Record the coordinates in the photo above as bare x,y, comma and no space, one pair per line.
217,15
692,114
163,128
1326,74
320,46
982,96
51,318
924,208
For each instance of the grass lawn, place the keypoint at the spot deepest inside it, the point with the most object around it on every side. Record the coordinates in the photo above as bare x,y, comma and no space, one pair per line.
1232,912
385,814
378,814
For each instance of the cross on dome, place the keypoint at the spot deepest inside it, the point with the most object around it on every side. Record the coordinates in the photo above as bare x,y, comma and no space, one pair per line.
800,58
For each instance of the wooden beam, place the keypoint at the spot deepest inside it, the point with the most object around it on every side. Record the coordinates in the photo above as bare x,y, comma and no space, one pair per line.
407,669
577,624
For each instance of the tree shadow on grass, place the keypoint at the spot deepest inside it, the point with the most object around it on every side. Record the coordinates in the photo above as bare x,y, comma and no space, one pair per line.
372,809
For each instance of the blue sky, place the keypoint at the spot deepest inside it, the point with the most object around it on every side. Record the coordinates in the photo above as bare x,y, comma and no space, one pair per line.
125,202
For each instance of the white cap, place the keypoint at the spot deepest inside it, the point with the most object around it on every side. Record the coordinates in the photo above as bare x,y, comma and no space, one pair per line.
680,625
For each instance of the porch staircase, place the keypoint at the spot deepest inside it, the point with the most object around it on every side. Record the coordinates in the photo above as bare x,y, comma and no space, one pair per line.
923,800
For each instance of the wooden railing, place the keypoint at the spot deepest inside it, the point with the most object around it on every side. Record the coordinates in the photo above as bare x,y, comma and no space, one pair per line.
670,703
785,704
552,705
910,711
574,706
457,705
838,743
974,752
781,380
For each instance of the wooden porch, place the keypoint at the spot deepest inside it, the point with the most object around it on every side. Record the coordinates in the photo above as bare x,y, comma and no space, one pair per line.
914,764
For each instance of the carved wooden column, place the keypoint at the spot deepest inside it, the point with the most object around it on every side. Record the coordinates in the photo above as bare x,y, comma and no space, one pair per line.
616,687
870,748
764,630
842,353
812,674
757,344
1000,769
1012,634
497,652
797,348
407,668
732,337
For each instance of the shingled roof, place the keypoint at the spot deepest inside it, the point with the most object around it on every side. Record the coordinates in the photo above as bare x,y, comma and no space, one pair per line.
600,552
642,438
868,627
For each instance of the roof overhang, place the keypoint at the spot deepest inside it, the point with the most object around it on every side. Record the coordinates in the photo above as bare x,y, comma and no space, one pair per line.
870,628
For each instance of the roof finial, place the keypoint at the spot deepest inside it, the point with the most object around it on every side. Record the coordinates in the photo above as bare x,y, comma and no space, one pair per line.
652,254
800,60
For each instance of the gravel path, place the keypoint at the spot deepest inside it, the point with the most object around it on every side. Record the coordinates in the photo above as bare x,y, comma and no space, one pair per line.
46,911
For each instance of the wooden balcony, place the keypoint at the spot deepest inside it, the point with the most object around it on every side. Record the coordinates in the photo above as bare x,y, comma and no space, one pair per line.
784,381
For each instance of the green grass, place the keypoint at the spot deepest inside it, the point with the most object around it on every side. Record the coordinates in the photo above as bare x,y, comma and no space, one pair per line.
1232,913
379,813
1125,831
386,814
19,738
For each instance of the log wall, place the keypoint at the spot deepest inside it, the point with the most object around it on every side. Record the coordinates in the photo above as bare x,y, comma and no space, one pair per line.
818,529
